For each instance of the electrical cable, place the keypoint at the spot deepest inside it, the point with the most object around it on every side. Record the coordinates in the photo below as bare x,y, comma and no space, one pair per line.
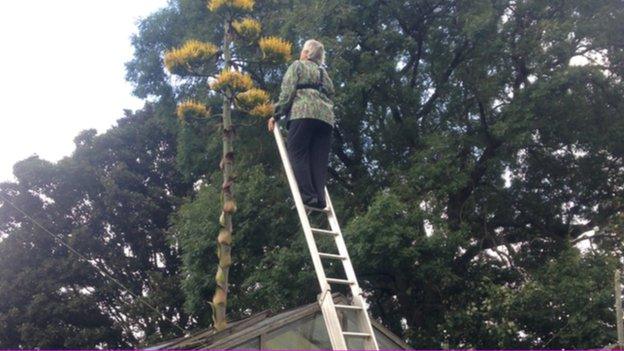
83,257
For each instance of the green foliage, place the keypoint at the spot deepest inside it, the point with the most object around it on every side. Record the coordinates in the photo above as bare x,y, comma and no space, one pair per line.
470,160
260,239
110,201
465,118
558,307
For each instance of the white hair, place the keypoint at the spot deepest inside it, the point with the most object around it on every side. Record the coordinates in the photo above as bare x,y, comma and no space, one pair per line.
316,51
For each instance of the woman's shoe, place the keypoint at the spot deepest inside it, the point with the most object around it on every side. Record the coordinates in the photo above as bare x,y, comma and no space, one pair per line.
310,202
315,206
309,205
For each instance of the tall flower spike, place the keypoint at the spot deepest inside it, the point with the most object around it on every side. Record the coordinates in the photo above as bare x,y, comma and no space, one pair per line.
275,49
248,100
193,54
190,109
237,81
246,5
248,29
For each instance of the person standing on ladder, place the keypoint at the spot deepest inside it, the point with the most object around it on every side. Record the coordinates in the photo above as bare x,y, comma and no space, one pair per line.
305,101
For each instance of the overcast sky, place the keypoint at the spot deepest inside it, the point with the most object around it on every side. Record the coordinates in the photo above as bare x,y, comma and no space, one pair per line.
62,65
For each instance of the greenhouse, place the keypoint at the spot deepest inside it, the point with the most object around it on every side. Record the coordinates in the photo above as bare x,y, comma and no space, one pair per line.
299,328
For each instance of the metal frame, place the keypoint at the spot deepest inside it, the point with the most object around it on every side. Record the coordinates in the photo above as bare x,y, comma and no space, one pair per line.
326,302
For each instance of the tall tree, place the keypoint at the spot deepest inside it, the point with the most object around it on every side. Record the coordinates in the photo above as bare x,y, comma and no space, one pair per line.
488,145
471,151
46,296
110,201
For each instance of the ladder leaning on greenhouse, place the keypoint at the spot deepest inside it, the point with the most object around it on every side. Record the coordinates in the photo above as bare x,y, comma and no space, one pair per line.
337,336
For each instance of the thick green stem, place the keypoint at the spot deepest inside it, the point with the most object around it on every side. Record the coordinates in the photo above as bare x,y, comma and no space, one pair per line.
224,241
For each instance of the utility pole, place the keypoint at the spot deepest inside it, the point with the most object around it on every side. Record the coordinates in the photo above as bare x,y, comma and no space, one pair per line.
618,308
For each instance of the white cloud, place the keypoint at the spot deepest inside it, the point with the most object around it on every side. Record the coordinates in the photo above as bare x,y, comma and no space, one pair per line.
63,71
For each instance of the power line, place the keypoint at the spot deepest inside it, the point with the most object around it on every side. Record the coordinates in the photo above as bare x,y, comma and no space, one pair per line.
105,274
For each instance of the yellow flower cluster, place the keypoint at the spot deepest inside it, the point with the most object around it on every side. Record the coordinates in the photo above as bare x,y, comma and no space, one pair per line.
237,81
247,5
248,28
190,109
250,99
265,110
275,49
193,52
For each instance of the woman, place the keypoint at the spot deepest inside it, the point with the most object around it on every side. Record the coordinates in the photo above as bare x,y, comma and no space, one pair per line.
306,101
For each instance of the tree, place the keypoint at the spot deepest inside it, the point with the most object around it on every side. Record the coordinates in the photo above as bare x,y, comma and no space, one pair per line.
45,296
481,130
200,59
463,127
110,200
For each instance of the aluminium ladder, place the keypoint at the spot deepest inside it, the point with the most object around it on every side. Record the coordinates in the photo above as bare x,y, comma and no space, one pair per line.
337,336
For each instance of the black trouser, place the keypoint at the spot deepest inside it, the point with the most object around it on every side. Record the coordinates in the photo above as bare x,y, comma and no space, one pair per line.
308,144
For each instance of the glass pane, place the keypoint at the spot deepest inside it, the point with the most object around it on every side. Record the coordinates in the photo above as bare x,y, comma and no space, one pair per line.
348,321
354,343
309,333
253,344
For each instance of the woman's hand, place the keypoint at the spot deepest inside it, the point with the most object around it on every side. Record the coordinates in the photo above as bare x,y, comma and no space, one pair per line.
271,124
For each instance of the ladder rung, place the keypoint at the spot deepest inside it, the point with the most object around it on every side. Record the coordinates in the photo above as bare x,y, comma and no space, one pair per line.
323,231
361,335
339,281
348,307
334,256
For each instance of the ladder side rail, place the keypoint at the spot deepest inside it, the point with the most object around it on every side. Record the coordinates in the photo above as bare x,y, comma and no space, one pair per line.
305,223
332,322
327,304
356,291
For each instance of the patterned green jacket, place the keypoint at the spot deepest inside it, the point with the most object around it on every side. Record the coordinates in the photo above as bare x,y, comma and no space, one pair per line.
307,102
